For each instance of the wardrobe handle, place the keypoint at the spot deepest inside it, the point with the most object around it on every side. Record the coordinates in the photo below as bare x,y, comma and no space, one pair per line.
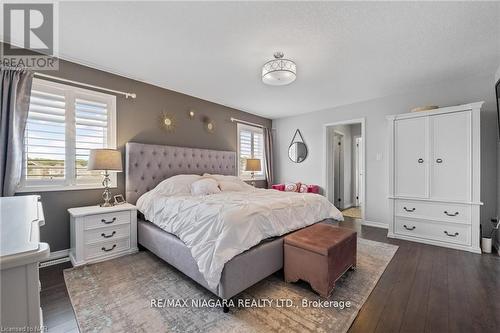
451,235
108,222
439,160
409,210
408,228
420,160
107,250
108,236
451,214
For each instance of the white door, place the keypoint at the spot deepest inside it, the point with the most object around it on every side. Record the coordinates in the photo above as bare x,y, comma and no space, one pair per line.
358,158
451,156
338,171
411,157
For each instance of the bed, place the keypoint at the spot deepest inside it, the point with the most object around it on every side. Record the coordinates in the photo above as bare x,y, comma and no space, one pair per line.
147,166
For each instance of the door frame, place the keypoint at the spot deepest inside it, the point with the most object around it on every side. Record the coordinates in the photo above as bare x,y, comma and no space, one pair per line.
327,157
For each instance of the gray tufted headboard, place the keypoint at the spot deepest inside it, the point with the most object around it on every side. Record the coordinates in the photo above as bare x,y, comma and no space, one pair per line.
147,165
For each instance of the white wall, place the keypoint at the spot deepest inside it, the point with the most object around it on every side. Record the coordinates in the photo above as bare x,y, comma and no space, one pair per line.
497,77
374,111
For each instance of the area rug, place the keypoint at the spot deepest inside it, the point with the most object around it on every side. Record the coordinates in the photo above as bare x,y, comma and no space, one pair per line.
117,296
354,212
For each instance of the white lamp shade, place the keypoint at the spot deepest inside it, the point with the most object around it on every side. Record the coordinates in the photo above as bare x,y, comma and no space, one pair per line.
105,159
253,164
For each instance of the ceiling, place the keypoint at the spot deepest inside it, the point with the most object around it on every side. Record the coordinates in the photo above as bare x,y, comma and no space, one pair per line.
345,52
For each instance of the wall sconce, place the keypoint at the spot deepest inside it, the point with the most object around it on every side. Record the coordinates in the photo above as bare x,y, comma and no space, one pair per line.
208,124
191,114
168,122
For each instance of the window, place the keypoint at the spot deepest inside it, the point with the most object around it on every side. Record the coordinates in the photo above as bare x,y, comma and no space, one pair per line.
250,145
64,123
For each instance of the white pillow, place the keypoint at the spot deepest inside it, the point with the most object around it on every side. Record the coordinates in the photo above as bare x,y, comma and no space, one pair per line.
205,186
230,183
176,185
230,186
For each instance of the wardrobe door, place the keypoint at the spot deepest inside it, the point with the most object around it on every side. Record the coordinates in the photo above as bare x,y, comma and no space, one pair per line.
451,156
411,153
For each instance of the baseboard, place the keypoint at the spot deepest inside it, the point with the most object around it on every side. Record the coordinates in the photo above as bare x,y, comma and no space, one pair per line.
375,224
56,257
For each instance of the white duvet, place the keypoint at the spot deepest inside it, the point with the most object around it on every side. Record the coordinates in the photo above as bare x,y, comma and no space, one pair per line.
220,226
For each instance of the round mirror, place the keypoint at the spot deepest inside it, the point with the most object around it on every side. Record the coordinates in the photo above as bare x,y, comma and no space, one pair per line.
297,152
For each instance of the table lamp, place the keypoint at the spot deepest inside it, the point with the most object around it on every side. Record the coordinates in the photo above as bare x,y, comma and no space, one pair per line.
252,165
105,160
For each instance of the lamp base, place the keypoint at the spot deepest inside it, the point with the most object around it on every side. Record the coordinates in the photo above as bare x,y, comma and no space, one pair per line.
106,195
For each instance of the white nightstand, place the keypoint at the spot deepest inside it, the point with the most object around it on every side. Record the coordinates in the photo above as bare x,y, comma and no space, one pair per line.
102,233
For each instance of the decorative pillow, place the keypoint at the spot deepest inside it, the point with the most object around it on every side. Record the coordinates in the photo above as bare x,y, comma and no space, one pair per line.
292,187
176,185
302,188
205,186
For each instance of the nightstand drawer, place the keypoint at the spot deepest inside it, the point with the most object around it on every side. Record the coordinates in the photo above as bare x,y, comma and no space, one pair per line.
106,220
106,248
106,234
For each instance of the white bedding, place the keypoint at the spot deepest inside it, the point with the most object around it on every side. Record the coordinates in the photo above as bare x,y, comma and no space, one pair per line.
220,226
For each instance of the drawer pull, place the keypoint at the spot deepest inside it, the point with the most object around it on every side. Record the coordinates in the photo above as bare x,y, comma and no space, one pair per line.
451,235
107,250
439,160
108,236
420,160
409,210
108,222
450,214
408,228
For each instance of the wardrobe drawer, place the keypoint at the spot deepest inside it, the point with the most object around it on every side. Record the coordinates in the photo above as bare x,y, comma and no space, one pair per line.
447,232
106,248
106,220
104,234
449,212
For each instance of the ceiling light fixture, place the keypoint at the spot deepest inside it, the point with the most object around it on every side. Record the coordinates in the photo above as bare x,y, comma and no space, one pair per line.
279,71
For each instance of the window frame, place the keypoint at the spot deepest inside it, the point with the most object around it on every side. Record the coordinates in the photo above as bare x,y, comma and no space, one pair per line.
241,175
71,93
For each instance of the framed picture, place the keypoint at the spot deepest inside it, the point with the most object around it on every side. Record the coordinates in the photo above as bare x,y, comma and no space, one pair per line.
119,199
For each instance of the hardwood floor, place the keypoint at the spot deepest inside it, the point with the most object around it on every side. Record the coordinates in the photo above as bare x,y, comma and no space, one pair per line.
424,289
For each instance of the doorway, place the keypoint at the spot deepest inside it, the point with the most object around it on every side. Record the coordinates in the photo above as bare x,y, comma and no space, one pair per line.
345,166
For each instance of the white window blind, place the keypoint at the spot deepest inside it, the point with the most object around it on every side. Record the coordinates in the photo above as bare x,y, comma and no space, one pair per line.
45,136
64,123
250,145
91,133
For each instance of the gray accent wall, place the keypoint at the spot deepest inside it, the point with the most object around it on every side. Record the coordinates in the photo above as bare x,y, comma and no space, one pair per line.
138,120
450,92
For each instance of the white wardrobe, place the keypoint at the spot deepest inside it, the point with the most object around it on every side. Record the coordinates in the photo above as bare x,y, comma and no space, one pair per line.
434,182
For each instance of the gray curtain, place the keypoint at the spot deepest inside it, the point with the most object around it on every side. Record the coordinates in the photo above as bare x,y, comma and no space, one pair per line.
15,91
268,143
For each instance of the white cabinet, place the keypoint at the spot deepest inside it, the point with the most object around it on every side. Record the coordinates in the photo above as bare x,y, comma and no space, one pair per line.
102,233
20,254
434,183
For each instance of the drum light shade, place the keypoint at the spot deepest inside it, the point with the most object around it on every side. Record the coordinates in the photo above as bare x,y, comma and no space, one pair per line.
105,159
279,72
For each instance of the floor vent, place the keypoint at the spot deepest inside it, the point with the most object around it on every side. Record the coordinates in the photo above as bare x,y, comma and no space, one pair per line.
53,262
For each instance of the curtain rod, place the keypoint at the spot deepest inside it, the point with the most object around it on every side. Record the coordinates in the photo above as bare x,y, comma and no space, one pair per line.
236,120
126,94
